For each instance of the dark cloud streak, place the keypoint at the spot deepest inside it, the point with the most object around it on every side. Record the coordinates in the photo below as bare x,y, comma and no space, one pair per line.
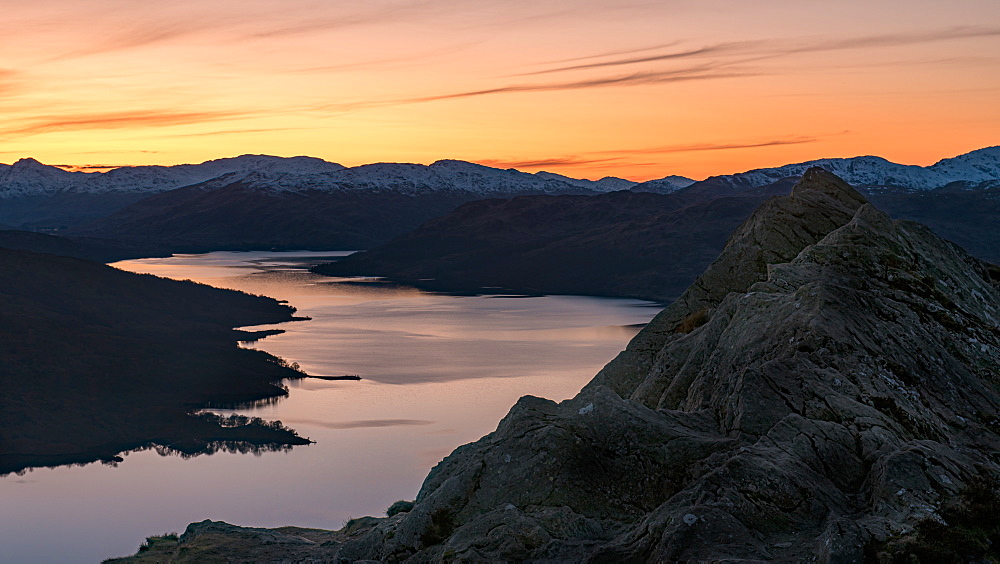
117,120
615,53
703,72
550,162
90,167
713,146
706,72
622,154
240,131
692,53
732,58
769,49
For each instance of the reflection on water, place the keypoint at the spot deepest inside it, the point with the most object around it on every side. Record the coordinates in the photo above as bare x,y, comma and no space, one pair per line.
255,404
438,371
213,447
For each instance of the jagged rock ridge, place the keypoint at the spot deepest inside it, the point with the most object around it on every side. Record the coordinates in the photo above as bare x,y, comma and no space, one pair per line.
828,383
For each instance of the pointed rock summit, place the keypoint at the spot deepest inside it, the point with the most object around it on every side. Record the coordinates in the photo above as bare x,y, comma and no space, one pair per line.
825,391
775,233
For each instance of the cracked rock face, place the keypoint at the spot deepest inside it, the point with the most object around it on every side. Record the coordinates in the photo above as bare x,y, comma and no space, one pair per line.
829,381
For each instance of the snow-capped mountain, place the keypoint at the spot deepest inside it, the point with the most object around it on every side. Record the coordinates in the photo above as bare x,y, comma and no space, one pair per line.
158,178
40,197
972,168
665,185
347,208
606,184
407,178
28,177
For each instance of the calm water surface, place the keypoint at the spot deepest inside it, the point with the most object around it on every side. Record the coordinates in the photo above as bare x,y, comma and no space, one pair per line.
439,371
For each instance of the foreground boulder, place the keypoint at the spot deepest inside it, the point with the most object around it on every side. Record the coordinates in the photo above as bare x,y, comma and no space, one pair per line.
826,389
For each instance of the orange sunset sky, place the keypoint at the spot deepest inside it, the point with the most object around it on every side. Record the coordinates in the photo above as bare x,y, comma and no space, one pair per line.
585,88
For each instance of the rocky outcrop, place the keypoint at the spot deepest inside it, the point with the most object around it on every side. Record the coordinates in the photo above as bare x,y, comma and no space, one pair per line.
829,384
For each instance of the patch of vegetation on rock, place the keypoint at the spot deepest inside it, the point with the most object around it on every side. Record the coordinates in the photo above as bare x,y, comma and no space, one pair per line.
968,531
401,506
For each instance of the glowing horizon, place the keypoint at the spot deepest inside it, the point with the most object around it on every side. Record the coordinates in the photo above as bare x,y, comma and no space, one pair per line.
588,89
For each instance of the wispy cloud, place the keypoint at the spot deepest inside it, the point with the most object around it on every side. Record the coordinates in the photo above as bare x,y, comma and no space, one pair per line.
726,60
8,81
321,23
384,62
134,35
764,49
617,52
108,152
699,73
553,162
618,156
718,49
713,146
116,120
704,72
899,39
88,167
128,27
239,131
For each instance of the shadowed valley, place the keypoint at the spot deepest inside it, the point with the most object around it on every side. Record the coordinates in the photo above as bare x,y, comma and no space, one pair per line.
627,243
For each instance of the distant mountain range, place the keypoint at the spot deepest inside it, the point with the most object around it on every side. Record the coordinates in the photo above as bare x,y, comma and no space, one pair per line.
259,201
38,196
28,177
267,202
654,247
349,208
978,169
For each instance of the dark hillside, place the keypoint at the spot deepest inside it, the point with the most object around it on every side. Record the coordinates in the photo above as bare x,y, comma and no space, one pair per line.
97,360
91,249
238,217
969,218
630,244
634,244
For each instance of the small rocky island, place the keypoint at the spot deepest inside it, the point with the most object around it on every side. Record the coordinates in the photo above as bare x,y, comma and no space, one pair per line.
98,361
826,391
